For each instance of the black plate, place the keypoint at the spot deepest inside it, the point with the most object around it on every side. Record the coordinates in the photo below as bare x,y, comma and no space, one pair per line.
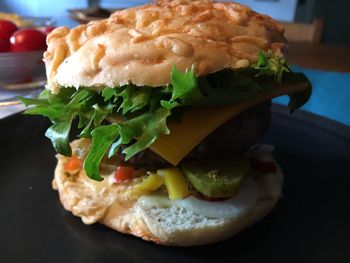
311,223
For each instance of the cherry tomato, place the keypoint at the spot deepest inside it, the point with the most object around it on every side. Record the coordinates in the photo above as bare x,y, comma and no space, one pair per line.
123,173
4,44
27,40
6,30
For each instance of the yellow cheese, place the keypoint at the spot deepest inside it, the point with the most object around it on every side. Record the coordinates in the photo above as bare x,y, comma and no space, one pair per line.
199,122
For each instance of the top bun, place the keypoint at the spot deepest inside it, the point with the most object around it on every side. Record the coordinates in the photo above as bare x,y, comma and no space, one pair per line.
141,45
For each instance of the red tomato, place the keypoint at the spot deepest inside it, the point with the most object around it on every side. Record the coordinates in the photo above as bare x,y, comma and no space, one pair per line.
73,164
27,40
123,173
6,30
263,166
4,44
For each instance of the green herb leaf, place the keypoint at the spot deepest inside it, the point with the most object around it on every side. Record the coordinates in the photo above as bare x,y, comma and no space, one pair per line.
108,93
114,147
169,105
149,127
59,136
53,111
145,111
262,60
64,96
100,114
86,132
102,138
80,98
271,64
184,86
27,102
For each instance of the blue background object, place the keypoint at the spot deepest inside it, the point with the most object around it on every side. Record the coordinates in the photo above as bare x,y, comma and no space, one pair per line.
56,10
330,94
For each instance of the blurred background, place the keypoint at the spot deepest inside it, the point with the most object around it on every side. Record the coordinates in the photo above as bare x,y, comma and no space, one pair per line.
335,13
317,29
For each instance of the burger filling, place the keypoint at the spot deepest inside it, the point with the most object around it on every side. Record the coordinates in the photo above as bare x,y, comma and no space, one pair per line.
121,124
233,138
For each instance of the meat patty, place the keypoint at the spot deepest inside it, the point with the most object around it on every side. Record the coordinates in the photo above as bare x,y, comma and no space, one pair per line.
234,137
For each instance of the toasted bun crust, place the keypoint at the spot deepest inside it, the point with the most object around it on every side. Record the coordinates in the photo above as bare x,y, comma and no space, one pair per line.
141,45
179,225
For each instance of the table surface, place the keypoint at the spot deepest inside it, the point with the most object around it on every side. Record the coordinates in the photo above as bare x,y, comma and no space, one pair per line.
323,57
309,224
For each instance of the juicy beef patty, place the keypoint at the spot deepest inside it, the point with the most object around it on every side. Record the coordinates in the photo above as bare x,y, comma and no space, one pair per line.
233,137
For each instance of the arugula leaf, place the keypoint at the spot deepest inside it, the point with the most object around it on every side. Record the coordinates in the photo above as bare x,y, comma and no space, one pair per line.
184,85
145,110
27,101
102,138
80,98
64,96
115,147
86,123
271,64
100,114
108,93
169,105
140,98
59,136
53,112
155,99
184,89
133,98
155,126
126,93
262,60
61,109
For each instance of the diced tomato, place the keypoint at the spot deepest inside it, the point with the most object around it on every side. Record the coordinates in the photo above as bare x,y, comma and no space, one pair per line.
73,164
263,166
123,174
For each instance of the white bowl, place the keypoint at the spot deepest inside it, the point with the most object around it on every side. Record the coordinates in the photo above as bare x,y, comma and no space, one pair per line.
21,66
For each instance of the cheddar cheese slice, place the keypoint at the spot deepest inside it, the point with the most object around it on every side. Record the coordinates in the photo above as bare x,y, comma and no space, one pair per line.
199,122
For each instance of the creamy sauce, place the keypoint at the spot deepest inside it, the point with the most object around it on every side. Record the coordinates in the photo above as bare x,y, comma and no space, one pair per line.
94,201
246,198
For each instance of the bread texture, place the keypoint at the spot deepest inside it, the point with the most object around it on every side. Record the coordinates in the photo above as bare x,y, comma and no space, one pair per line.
141,45
186,222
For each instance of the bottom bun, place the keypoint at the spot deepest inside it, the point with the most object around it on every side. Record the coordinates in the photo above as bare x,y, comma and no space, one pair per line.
186,222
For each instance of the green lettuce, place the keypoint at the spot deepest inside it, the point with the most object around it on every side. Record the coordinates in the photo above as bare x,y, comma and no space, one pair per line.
145,111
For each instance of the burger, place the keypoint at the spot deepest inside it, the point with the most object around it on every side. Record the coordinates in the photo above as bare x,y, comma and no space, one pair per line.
170,100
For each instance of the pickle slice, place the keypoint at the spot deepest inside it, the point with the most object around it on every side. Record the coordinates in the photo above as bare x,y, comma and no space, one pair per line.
217,178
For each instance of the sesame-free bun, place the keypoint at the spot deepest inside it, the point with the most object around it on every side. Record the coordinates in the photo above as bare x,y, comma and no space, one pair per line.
141,45
185,222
